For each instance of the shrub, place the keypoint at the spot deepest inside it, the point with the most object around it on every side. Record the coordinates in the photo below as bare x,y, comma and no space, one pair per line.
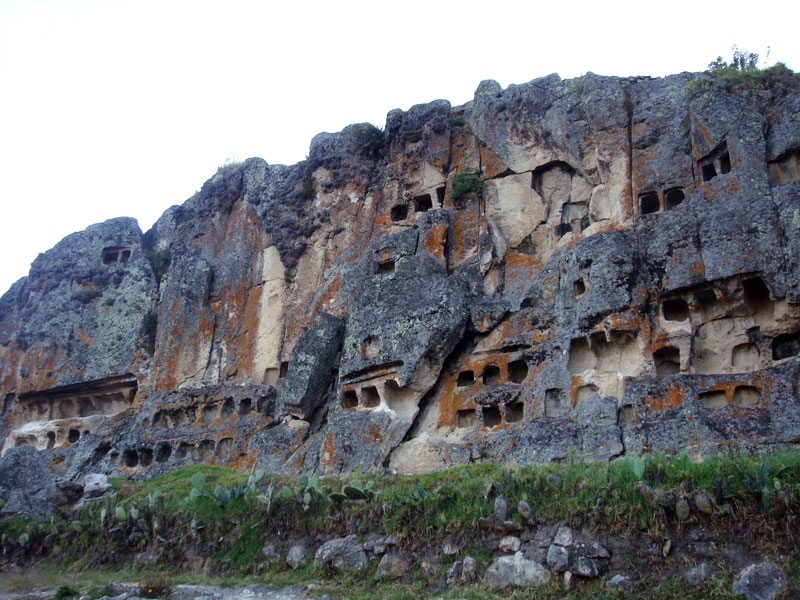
159,260
369,141
742,61
457,120
467,182
743,73
306,190
149,324
65,592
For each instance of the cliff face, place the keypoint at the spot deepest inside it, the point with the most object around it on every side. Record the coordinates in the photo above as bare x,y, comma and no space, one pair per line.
601,265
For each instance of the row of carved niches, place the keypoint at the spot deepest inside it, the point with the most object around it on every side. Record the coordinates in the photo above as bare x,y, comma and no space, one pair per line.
730,326
407,211
209,414
107,396
177,450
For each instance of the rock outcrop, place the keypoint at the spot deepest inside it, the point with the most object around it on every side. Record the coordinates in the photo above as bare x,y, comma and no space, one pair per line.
601,265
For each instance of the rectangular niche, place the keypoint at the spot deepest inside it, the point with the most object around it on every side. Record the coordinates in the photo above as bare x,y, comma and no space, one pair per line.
515,412
555,403
466,418
715,163
115,254
491,416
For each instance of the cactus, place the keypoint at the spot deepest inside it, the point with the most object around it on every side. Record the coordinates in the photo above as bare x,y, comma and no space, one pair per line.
703,503
682,509
661,498
120,514
199,482
302,482
637,464
337,497
24,539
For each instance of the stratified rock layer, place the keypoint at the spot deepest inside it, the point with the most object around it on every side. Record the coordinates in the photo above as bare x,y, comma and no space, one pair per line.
599,265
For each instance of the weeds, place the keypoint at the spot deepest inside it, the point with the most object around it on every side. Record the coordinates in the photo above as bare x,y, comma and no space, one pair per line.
742,73
159,261
217,510
457,120
465,183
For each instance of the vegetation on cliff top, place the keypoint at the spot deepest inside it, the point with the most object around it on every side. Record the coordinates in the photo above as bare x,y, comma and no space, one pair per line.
743,73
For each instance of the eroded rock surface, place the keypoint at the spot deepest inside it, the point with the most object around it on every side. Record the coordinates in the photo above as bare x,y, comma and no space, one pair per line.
595,265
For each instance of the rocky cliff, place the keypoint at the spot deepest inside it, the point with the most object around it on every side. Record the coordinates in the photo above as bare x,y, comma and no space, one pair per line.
599,265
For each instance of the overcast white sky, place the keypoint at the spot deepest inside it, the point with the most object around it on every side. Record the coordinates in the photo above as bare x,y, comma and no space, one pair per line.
125,107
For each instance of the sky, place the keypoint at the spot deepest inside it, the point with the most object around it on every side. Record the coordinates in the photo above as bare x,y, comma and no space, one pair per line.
125,107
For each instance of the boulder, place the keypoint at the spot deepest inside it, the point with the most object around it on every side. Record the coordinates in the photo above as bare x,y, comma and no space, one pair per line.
393,565
310,364
30,485
700,574
516,570
469,570
500,509
760,581
509,544
297,556
343,554
558,558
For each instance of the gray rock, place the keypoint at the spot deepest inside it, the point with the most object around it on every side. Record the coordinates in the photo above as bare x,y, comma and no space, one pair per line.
413,318
569,580
469,570
500,509
297,556
586,567
70,289
31,485
509,544
393,565
270,554
310,366
563,537
699,574
524,510
95,485
450,548
760,581
343,554
602,438
515,570
620,582
71,490
558,558
510,526
591,549
251,592
454,573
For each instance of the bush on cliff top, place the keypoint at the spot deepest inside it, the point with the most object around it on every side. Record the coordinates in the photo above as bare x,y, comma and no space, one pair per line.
743,73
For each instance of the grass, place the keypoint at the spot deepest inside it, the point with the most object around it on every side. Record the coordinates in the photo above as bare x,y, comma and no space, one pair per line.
420,511
361,586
